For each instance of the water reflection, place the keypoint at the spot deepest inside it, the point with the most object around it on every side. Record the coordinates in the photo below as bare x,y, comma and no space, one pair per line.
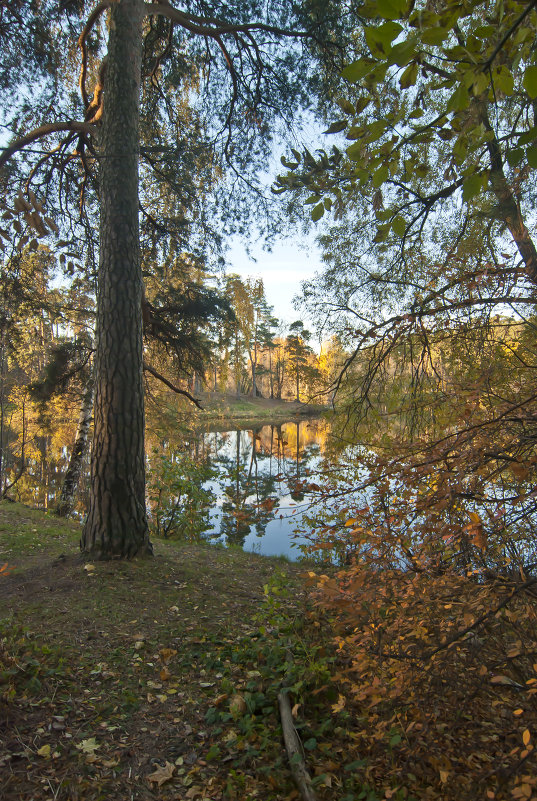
260,483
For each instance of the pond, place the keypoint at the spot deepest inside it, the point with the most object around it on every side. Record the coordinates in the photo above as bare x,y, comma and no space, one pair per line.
260,482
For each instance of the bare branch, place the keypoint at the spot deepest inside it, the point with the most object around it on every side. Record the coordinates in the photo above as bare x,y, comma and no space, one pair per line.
90,22
41,132
169,384
215,27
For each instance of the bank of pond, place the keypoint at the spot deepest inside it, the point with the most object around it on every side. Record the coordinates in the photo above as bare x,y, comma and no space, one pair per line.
247,486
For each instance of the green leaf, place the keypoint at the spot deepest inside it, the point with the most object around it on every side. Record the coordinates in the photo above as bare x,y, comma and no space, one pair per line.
531,155
356,132
336,127
357,70
434,36
354,152
528,137
403,52
472,186
529,81
391,9
380,176
345,105
379,39
409,76
480,84
376,129
459,100
515,156
399,225
352,766
382,232
484,31
310,744
362,103
317,212
291,165
503,80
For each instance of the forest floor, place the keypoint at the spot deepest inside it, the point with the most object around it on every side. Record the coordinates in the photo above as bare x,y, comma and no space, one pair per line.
142,679
159,679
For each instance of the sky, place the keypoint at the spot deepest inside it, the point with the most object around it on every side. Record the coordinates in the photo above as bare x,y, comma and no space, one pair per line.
282,271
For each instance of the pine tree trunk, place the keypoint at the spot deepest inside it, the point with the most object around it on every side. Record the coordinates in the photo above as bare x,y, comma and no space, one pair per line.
71,479
116,526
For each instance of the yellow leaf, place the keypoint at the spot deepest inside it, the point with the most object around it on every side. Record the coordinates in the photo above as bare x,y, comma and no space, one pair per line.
518,712
88,746
341,701
166,654
474,517
526,737
444,775
44,751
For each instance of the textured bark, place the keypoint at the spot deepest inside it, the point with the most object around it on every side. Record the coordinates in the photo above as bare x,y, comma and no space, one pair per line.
116,526
71,479
508,205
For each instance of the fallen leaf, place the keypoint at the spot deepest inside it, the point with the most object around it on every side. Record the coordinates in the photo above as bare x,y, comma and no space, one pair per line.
166,654
44,751
88,746
340,704
237,706
162,774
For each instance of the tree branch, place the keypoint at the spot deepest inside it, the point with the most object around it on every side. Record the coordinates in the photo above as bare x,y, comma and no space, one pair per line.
41,132
217,27
90,22
169,384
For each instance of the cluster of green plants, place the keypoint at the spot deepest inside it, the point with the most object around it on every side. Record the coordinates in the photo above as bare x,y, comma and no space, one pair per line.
179,504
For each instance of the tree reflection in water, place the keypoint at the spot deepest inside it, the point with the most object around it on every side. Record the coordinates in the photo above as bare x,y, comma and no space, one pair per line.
262,474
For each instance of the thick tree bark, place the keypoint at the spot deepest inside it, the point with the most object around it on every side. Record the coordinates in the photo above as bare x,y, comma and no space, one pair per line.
71,479
116,526
508,205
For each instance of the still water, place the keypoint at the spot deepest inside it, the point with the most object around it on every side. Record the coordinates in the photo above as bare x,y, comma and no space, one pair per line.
261,484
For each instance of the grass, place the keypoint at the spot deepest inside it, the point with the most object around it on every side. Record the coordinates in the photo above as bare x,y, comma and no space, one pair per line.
113,673
159,679
218,408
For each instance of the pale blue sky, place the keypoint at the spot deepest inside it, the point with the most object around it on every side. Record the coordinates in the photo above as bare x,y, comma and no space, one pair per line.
282,270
